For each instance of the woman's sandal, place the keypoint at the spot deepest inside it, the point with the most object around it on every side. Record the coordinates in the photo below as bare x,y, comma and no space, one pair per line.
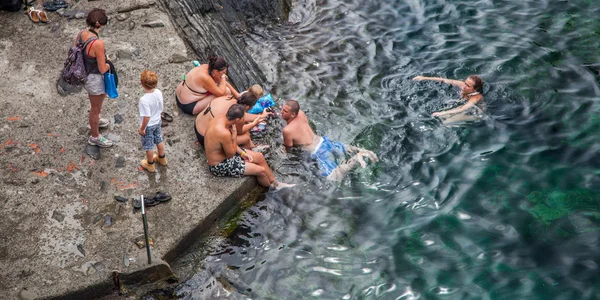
165,116
42,16
33,15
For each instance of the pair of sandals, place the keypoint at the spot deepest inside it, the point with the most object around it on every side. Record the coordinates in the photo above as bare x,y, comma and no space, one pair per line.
165,117
37,16
55,5
149,201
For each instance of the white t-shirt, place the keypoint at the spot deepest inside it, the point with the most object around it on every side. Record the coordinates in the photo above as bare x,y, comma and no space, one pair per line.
151,105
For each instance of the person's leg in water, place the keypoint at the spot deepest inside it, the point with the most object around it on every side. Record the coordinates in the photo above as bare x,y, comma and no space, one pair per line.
358,159
253,169
259,159
462,117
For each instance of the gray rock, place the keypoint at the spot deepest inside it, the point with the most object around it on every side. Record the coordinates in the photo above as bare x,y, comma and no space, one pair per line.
108,221
178,58
131,25
27,295
103,185
82,130
99,266
120,162
124,54
113,137
81,249
93,151
65,89
119,118
122,17
80,15
91,270
58,216
137,52
154,24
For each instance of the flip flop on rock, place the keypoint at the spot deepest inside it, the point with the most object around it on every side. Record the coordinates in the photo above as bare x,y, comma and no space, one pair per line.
165,116
33,15
43,16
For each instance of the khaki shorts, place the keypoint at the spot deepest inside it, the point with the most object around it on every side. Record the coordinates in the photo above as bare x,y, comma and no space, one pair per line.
94,84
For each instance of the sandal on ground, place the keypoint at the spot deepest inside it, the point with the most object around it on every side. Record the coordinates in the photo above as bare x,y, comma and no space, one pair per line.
43,16
165,116
33,15
55,5
148,202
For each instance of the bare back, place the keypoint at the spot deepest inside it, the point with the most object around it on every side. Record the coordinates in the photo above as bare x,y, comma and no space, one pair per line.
298,133
218,107
193,90
217,141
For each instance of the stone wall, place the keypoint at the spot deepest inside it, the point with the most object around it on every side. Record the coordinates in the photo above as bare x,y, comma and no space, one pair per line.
210,27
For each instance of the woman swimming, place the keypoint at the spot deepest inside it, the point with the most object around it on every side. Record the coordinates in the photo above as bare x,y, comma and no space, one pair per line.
203,84
470,91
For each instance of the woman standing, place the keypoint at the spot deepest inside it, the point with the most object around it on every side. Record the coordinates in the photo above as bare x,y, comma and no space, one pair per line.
95,64
470,91
203,84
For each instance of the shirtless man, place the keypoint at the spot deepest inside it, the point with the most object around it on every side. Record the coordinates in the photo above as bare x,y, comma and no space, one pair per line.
218,107
226,158
297,133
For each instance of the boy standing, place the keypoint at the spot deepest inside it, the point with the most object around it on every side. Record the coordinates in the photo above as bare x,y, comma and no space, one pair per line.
151,106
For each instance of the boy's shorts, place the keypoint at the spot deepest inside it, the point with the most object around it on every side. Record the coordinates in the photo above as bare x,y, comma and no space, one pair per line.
153,136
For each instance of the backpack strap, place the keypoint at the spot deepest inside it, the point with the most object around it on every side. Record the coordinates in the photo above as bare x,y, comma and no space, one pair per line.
90,40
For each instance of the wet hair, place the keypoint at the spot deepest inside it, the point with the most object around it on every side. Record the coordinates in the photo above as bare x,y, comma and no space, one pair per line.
236,111
294,106
96,16
257,90
478,86
149,79
248,99
216,63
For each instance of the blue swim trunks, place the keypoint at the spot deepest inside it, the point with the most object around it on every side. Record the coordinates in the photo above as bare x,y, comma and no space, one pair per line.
327,153
153,136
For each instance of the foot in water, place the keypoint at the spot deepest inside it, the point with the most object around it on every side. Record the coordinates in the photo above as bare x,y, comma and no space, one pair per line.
276,185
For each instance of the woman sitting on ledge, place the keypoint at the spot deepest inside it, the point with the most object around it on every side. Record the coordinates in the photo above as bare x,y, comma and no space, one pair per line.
202,84
470,92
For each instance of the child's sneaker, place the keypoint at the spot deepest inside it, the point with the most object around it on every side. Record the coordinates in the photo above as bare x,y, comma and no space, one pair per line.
149,167
161,161
100,141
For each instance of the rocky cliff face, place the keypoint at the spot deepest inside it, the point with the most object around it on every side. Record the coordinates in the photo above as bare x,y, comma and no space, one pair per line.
210,27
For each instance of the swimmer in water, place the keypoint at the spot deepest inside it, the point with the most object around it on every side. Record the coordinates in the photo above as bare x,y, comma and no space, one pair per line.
470,91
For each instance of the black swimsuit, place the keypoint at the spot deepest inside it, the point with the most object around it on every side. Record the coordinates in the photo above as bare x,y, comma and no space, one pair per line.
189,108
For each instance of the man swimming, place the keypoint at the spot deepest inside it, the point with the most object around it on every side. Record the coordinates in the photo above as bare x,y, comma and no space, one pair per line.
327,153
226,158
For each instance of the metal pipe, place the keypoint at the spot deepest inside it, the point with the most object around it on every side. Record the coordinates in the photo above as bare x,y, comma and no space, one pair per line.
146,231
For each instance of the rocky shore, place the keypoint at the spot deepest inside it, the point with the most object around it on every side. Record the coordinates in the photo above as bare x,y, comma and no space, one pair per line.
62,233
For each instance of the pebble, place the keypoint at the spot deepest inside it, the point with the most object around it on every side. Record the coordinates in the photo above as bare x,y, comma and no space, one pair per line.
93,151
178,58
131,25
154,24
119,119
27,295
99,266
108,221
124,54
58,216
123,17
81,249
120,162
113,137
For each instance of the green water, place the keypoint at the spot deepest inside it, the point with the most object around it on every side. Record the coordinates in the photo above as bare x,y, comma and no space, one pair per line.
503,208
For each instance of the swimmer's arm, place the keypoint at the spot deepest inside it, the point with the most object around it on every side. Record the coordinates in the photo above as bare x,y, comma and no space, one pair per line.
457,83
454,110
254,120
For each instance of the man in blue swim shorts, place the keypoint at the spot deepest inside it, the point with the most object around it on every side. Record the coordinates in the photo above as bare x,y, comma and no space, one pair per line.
329,155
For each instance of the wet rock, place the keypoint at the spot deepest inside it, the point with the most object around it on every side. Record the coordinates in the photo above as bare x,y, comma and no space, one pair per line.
122,17
131,25
25,294
93,151
119,119
120,162
81,249
178,58
154,24
124,54
58,216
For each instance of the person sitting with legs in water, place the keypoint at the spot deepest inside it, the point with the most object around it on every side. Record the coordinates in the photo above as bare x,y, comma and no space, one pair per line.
470,91
327,153
202,84
219,106
226,158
